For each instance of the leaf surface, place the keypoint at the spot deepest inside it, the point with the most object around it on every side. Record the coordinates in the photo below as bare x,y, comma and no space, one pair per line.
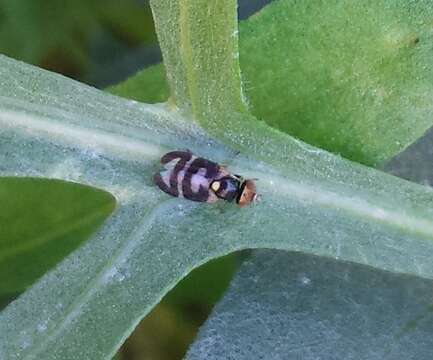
313,202
360,88
320,308
288,305
55,127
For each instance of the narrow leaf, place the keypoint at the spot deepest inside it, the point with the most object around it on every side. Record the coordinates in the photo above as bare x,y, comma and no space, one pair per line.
199,43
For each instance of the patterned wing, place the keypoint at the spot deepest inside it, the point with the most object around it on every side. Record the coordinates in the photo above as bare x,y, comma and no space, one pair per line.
198,176
174,162
187,176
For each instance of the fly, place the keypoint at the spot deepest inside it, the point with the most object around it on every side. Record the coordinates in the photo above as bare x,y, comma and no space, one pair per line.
198,179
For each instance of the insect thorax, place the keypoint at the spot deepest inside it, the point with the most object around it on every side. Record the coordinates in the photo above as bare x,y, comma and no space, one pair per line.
226,188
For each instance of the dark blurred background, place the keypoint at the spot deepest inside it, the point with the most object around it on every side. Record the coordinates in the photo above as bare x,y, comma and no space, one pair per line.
102,43
97,42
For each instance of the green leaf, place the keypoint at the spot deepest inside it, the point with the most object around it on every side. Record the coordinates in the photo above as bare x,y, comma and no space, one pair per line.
5,300
305,307
41,221
223,336
53,125
204,79
313,202
355,306
149,85
352,77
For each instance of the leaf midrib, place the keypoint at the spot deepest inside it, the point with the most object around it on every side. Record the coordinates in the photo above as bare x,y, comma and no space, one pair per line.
362,208
123,145
119,145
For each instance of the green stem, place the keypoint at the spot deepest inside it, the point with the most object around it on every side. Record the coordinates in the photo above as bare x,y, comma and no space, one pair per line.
199,43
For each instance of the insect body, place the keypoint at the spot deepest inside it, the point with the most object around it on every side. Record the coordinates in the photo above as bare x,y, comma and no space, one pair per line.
199,179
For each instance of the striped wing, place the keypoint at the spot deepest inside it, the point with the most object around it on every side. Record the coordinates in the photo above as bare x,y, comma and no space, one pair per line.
188,176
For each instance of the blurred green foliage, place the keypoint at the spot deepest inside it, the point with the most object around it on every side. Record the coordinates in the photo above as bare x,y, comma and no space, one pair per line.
57,34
